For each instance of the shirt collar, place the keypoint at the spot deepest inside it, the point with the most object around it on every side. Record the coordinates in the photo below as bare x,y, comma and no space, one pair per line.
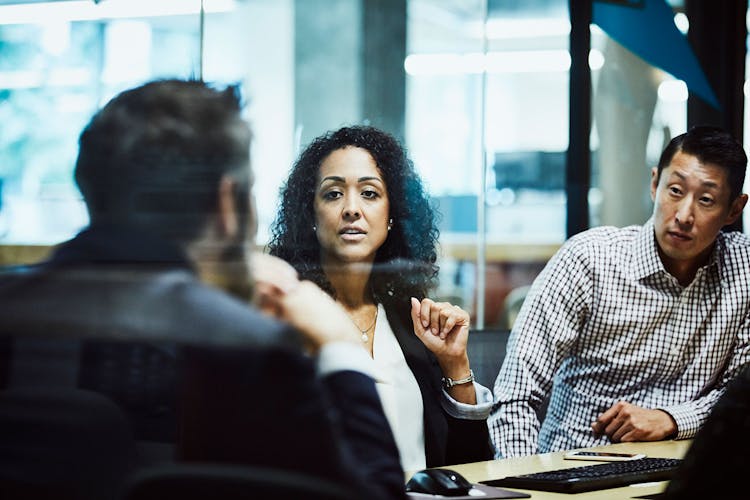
107,244
646,260
718,255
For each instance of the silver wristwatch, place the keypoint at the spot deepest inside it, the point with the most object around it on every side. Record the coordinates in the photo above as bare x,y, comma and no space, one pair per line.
449,382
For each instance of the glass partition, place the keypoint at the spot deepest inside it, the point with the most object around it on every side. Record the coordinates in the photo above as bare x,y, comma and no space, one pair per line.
477,89
487,124
59,61
746,112
637,108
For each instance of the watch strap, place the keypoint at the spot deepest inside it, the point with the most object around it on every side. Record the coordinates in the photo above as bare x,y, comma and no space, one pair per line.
449,382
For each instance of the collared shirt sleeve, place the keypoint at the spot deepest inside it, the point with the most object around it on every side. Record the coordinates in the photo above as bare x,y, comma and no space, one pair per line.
341,356
690,416
479,411
734,259
547,326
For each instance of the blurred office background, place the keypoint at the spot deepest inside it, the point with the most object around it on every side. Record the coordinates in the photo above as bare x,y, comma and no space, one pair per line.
478,90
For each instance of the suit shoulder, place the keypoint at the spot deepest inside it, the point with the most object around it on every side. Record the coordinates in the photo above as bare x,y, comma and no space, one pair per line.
217,317
135,304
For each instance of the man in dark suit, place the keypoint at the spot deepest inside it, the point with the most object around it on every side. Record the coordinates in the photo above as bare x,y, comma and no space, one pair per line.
164,171
715,466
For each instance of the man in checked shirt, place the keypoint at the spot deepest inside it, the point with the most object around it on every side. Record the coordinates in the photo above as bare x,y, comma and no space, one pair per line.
631,334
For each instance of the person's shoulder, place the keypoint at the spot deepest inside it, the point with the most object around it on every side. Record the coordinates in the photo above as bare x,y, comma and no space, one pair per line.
601,238
736,241
135,303
606,234
213,316
734,258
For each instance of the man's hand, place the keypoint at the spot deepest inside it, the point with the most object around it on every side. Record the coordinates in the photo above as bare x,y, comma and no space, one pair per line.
272,279
625,422
279,293
314,313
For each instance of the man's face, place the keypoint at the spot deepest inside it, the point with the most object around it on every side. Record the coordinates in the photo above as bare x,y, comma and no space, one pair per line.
691,205
252,213
234,237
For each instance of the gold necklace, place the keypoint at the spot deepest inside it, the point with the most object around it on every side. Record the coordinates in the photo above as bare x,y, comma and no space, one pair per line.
364,332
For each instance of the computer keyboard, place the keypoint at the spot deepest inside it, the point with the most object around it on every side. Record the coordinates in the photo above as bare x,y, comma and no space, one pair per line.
593,477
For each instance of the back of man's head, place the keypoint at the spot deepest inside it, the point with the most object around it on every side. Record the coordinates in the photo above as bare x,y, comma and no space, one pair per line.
154,155
710,145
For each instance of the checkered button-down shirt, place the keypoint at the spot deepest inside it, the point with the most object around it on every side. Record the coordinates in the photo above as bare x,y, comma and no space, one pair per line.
605,322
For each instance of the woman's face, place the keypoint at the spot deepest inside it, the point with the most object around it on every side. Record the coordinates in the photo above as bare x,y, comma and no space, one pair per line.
351,207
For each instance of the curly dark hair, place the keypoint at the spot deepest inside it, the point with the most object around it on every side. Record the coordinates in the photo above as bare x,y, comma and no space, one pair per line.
405,263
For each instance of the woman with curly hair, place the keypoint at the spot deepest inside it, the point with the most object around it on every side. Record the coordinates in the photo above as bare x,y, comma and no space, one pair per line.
356,220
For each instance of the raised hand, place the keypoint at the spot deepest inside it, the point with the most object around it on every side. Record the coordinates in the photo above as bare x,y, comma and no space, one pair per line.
441,326
279,293
444,329
272,278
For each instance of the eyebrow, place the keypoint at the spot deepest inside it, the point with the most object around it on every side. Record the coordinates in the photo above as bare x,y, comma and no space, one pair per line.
337,178
708,184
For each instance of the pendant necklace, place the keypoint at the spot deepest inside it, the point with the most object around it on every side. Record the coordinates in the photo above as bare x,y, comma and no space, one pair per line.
365,337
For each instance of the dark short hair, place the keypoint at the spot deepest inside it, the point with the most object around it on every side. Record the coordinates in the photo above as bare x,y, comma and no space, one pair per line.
153,156
405,263
711,145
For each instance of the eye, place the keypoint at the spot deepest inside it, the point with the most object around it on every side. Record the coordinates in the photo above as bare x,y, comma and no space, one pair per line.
706,201
332,195
370,194
675,190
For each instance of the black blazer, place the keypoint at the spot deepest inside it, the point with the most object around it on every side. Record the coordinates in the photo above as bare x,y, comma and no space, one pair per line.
448,440
715,466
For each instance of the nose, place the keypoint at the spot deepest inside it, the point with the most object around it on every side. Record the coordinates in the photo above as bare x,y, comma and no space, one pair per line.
684,214
352,209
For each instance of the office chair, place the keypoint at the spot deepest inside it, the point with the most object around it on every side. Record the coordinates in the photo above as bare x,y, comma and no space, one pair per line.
62,444
486,350
199,481
512,306
140,377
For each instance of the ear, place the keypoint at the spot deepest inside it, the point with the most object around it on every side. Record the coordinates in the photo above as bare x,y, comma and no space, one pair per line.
654,182
736,209
228,217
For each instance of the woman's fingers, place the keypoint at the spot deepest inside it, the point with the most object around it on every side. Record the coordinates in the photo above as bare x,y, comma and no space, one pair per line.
440,318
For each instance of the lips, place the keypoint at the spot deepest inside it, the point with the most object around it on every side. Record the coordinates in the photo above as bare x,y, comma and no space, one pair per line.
679,236
352,234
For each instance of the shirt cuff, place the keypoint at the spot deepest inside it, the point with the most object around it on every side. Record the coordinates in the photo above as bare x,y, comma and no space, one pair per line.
344,356
684,417
479,411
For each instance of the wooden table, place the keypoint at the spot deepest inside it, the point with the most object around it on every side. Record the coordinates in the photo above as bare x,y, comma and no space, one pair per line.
495,469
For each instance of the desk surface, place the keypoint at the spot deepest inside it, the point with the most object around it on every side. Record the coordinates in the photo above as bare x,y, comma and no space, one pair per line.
495,469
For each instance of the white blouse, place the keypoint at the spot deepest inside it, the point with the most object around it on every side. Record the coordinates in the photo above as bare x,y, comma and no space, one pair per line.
400,394
402,400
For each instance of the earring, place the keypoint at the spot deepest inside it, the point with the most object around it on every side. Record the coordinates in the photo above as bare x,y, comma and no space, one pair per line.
390,224
315,229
